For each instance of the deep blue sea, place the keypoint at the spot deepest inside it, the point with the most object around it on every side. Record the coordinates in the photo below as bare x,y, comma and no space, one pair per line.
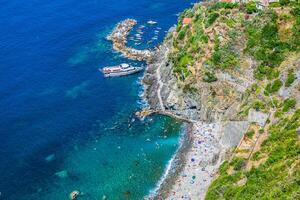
64,127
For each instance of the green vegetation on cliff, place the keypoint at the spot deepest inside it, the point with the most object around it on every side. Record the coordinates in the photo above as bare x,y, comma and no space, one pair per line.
275,178
215,39
228,48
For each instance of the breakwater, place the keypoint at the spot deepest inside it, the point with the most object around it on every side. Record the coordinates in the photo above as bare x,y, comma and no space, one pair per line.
119,39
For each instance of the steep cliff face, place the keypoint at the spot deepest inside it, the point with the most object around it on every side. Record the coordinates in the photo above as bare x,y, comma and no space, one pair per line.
181,89
205,69
226,62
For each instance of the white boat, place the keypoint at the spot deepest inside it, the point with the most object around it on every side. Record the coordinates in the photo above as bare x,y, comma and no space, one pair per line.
152,22
123,69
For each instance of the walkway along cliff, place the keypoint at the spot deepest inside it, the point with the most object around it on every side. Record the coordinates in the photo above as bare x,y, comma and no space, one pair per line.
207,73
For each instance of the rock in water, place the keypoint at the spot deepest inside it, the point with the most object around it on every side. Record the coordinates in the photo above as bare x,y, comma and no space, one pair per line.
74,194
50,158
62,174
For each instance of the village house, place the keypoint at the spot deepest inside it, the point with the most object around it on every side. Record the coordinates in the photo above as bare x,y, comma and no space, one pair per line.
186,21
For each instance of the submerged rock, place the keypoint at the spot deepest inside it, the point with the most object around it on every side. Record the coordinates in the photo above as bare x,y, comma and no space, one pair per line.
50,157
104,197
62,174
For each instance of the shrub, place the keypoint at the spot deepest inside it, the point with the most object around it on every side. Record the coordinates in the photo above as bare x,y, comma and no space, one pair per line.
261,131
251,8
181,60
186,13
209,77
263,41
178,28
224,58
273,87
230,23
274,4
265,71
260,72
204,38
212,17
288,104
296,11
258,105
238,163
216,57
182,33
185,60
290,78
255,88
284,2
273,74
199,37
256,155
219,5
278,113
224,167
217,42
250,134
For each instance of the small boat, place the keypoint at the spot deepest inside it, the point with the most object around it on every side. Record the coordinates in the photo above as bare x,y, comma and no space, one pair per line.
123,69
152,22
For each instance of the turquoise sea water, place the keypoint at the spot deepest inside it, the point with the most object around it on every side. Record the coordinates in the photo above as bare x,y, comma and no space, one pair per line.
64,127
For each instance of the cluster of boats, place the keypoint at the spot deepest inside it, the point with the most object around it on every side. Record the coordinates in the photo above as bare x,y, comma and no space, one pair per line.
136,38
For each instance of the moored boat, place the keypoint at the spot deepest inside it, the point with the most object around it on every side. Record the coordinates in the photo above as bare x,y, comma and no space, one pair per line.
120,70
152,22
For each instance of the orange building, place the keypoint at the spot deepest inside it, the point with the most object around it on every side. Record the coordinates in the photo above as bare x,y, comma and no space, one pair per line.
187,20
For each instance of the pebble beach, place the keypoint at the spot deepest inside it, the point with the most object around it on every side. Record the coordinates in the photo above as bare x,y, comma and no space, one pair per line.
201,163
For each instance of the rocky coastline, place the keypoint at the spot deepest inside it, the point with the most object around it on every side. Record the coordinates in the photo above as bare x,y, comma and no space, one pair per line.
210,139
213,132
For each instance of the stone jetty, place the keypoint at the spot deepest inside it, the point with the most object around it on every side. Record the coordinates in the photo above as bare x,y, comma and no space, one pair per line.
119,39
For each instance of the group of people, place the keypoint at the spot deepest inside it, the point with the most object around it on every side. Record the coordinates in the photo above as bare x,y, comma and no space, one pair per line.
199,169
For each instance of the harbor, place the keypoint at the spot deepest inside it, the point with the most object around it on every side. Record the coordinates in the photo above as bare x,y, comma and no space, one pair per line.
119,36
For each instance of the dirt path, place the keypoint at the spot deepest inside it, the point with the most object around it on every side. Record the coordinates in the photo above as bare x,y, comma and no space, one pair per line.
160,83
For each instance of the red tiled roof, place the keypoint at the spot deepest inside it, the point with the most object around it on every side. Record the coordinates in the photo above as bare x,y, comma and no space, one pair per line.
226,1
187,20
